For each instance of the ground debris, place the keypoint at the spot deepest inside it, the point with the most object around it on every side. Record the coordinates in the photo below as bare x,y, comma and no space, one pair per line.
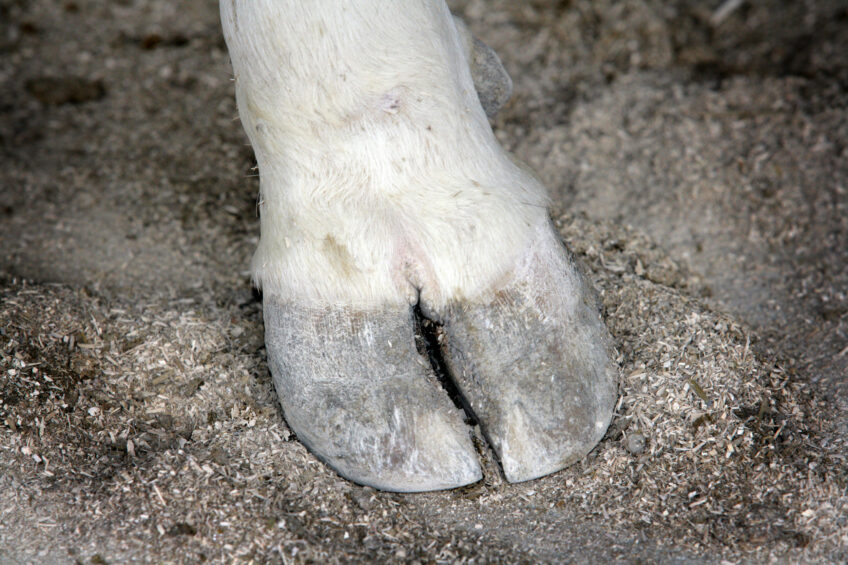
137,418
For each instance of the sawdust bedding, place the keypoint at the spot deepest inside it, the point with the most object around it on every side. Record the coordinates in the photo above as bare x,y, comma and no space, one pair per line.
137,417
151,431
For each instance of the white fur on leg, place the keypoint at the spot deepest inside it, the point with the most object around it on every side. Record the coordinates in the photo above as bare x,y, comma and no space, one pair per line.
380,174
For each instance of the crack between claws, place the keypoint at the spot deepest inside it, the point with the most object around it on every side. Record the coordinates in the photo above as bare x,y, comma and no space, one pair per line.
430,339
429,336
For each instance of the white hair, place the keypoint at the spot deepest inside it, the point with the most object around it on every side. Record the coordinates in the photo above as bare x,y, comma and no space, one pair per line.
381,179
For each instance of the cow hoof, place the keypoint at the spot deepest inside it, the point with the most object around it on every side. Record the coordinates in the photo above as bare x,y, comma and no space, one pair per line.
359,395
532,360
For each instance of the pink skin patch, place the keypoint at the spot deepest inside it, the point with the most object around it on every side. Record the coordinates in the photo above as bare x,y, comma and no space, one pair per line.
412,273
390,101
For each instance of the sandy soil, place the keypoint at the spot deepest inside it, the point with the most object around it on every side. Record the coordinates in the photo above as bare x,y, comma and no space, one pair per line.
697,160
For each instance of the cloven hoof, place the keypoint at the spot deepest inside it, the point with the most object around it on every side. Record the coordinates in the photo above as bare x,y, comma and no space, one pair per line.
532,363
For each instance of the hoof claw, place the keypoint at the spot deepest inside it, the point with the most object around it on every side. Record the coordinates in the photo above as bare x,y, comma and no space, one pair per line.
534,364
360,397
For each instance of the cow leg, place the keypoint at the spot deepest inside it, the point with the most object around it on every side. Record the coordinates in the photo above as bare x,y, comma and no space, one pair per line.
384,190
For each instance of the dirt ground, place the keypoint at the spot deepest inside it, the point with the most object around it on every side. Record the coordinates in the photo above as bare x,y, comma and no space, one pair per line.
697,159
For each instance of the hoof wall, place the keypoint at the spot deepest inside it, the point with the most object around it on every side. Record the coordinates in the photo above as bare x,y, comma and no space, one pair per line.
360,397
534,364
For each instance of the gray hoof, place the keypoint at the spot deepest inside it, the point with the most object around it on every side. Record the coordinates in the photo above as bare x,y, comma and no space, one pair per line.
534,364
491,81
360,397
